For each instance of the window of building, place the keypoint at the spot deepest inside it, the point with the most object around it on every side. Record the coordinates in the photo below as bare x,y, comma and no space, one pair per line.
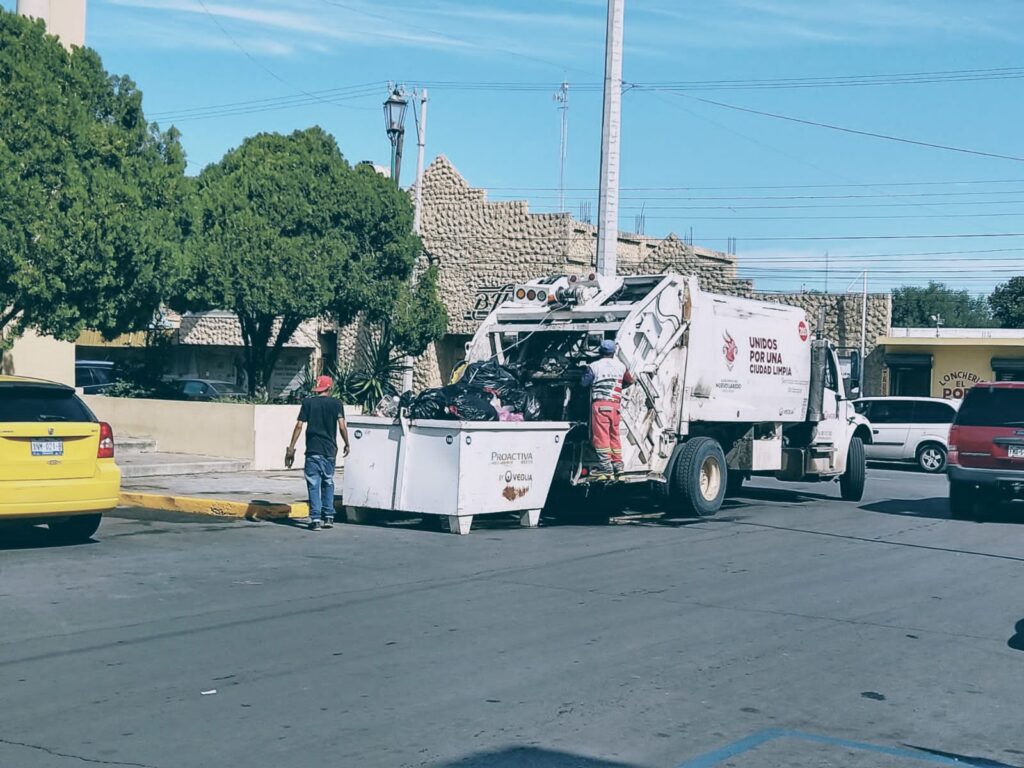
1008,368
910,375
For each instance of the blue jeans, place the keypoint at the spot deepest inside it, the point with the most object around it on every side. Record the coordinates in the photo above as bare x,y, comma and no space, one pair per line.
319,472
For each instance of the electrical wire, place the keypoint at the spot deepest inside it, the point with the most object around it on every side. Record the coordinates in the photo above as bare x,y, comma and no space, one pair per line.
855,131
257,62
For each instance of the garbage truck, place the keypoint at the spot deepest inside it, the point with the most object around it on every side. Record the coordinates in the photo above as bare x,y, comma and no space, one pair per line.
726,388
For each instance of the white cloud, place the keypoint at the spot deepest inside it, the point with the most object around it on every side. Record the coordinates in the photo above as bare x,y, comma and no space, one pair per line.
778,23
315,25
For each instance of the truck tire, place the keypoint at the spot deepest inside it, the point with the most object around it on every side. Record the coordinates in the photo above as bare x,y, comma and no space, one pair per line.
931,458
75,529
961,500
699,477
851,483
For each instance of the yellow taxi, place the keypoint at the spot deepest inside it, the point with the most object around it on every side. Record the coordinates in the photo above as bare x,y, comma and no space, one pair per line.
56,459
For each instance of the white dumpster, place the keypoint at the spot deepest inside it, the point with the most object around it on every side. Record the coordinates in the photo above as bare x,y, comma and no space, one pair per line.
456,469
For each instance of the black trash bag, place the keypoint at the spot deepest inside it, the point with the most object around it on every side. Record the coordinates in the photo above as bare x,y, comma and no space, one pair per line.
469,406
430,404
531,409
488,376
407,399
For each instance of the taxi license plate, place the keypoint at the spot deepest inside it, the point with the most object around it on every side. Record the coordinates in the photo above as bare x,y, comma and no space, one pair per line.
1016,451
47,447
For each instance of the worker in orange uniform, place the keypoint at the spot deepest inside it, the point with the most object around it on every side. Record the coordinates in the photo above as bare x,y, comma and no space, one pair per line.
606,378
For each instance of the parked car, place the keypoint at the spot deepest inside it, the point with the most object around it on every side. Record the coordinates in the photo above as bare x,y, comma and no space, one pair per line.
986,447
94,376
908,429
56,459
205,389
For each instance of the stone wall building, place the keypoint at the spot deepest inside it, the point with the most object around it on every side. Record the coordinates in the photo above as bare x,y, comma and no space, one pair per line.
482,248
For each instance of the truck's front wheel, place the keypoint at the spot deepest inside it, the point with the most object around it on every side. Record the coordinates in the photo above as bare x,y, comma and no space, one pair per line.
851,483
699,477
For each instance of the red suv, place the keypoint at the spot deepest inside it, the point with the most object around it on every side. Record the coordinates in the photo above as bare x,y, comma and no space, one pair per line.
986,447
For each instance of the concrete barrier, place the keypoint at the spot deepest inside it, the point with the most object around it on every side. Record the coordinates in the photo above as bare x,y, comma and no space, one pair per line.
255,433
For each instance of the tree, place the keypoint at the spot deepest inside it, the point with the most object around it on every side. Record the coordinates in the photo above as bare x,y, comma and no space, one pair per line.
91,196
914,306
1007,302
285,230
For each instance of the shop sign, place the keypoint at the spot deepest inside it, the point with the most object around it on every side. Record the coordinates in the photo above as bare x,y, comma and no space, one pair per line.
954,384
487,299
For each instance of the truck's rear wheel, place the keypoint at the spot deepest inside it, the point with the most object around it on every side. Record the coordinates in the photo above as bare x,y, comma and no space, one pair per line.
851,483
699,477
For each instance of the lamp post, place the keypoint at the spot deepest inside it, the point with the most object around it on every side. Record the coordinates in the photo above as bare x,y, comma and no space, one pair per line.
394,123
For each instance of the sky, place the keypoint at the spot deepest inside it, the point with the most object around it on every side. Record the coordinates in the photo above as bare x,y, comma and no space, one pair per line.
712,146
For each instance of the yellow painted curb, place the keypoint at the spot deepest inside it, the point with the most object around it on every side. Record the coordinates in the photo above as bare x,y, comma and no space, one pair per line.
248,510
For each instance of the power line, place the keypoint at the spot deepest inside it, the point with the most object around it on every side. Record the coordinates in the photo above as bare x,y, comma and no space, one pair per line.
590,234
256,61
849,201
778,186
274,101
871,134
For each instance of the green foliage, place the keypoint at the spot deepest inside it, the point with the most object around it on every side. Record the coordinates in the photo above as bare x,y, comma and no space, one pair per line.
379,367
285,230
913,307
1007,303
91,196
143,376
419,316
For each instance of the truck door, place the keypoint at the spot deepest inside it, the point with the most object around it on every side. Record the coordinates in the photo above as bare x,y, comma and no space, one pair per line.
830,428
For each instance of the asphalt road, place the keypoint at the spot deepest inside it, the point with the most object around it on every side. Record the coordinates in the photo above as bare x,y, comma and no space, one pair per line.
793,630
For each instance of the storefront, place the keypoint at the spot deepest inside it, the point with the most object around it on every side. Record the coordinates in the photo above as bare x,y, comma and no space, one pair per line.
926,362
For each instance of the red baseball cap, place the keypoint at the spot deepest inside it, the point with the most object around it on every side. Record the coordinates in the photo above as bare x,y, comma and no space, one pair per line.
323,384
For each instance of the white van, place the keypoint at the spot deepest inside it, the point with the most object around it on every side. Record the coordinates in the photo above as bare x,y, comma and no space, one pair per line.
909,429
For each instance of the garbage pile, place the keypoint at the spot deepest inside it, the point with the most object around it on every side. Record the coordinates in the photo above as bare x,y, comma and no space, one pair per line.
486,391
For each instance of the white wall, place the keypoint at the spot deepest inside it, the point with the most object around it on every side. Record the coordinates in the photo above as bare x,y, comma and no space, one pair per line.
40,357
256,433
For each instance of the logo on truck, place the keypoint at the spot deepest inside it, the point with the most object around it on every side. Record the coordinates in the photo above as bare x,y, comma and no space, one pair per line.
729,350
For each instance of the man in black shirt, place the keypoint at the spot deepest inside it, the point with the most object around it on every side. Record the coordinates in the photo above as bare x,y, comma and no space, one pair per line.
324,418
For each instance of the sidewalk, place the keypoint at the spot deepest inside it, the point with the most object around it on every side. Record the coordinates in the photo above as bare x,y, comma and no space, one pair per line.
250,494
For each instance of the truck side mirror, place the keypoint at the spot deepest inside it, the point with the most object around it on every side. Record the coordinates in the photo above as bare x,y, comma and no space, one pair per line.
855,372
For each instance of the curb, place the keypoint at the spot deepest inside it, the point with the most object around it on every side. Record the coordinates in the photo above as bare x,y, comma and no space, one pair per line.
189,505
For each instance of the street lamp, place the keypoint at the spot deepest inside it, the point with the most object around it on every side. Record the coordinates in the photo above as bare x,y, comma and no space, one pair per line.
394,123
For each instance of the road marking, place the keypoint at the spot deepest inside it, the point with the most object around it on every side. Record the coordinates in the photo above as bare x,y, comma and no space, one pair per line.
755,740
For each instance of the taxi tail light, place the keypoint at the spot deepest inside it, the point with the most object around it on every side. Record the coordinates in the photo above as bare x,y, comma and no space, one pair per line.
106,449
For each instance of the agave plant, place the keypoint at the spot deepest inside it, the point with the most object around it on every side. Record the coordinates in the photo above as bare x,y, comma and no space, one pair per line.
379,367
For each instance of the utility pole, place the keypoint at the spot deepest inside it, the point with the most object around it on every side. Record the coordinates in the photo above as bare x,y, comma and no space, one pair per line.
421,143
562,97
863,328
417,219
608,204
